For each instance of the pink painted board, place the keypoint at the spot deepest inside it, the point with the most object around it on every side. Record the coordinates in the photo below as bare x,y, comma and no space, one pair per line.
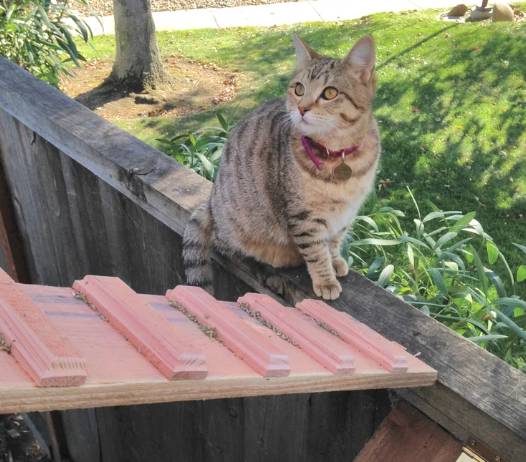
159,342
220,360
93,338
11,374
254,348
389,354
109,356
119,374
321,345
40,350
300,362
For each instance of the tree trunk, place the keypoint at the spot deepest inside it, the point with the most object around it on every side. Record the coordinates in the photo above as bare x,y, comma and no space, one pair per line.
137,64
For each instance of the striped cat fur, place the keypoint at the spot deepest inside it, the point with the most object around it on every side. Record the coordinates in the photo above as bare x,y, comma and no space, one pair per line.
270,201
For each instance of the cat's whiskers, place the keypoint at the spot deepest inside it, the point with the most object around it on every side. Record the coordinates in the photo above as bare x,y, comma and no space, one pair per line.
314,124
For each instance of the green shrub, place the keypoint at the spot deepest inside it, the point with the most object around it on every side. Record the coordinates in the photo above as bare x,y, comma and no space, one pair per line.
448,267
442,263
38,36
200,150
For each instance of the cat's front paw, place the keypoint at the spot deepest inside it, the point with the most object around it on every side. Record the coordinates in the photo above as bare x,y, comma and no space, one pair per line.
341,268
328,290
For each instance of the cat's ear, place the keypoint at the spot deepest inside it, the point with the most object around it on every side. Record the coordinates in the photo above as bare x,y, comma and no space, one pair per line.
304,53
361,59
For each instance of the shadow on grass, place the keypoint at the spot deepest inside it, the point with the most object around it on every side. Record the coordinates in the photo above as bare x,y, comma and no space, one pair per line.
459,142
102,94
415,45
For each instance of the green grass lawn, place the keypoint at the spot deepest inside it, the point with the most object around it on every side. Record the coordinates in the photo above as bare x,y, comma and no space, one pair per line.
451,104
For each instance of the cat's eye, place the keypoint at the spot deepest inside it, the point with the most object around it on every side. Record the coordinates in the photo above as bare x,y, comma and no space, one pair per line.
299,89
329,93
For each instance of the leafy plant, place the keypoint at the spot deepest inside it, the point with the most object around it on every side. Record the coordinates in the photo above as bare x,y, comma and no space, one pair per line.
448,267
38,36
200,150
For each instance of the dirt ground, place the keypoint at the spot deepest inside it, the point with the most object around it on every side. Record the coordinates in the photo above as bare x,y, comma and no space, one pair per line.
196,87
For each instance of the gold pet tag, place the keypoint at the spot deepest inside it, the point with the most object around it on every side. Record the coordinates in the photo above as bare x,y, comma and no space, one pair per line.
343,172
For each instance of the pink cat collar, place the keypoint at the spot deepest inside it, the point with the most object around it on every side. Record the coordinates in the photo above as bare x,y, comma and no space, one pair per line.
309,145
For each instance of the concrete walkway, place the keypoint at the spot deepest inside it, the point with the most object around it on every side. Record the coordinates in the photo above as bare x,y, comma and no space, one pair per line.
273,15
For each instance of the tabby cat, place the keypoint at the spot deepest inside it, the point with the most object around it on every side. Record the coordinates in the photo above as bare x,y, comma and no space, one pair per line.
294,173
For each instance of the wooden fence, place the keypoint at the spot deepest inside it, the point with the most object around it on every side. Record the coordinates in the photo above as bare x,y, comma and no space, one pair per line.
88,198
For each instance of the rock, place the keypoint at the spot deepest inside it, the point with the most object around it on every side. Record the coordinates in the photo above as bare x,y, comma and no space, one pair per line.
479,14
458,11
502,12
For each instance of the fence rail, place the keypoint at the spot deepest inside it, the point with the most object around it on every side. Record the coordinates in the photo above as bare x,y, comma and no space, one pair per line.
89,198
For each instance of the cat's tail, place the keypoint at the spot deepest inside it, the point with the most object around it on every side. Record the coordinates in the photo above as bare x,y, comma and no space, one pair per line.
197,244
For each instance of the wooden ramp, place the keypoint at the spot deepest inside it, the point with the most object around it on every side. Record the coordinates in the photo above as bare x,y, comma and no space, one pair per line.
101,344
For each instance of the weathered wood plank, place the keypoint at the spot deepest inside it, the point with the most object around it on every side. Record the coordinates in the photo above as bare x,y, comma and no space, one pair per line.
93,228
348,420
131,167
307,428
12,258
37,187
82,438
406,435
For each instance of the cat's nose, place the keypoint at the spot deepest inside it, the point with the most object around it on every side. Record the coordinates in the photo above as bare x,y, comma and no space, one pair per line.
303,109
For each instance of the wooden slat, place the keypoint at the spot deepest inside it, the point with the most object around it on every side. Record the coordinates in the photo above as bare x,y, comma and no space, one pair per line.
406,435
143,327
388,354
324,347
83,446
12,258
254,349
40,350
127,393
